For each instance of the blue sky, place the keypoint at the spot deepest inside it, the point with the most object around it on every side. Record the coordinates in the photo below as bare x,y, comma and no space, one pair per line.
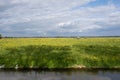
22,18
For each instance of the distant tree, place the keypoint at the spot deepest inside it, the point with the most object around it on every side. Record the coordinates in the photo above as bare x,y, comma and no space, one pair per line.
0,36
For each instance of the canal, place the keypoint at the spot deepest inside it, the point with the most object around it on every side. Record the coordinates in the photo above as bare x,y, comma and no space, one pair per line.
72,74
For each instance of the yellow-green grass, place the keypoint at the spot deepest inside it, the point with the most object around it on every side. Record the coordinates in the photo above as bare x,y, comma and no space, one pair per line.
60,52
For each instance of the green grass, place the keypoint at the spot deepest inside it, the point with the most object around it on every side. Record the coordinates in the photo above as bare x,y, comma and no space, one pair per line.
60,52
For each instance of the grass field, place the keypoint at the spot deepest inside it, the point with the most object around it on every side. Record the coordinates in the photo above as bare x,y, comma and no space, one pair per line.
60,52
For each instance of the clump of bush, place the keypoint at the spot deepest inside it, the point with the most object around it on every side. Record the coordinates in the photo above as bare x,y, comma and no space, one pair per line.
0,36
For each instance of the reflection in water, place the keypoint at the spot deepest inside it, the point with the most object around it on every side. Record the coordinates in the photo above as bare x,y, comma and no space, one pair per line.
61,75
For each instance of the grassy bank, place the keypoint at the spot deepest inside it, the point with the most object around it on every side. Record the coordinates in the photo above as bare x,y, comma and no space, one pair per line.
60,52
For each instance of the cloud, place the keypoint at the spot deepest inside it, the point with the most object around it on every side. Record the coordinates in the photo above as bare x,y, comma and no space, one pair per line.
38,17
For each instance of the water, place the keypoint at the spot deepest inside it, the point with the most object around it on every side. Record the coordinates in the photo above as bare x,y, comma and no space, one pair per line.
60,75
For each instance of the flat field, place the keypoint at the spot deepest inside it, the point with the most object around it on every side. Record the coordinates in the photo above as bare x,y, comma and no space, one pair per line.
60,52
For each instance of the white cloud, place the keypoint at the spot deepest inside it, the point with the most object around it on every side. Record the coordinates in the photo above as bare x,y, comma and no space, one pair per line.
42,16
65,24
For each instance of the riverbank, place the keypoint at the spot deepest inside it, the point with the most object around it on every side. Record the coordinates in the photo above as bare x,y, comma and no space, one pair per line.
36,53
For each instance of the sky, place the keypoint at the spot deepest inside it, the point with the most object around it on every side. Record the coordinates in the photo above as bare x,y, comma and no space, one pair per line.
31,18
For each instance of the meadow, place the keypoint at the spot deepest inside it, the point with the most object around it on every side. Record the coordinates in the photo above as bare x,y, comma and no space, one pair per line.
60,52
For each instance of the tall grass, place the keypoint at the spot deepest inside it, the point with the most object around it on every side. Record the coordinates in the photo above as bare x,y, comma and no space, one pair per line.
98,56
37,56
60,52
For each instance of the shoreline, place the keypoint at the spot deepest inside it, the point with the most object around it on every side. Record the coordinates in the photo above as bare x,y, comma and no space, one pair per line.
57,69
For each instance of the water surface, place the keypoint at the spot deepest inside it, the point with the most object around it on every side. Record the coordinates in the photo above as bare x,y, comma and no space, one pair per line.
60,75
